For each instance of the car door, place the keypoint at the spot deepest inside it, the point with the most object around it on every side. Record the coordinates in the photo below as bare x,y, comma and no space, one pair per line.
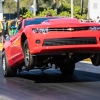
16,51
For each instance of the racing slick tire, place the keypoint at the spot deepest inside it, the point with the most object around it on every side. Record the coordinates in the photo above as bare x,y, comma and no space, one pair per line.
96,59
28,58
67,69
7,70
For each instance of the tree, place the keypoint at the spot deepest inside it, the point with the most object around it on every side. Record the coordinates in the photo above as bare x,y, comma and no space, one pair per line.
23,11
28,14
61,6
82,4
44,13
54,4
26,3
9,6
37,5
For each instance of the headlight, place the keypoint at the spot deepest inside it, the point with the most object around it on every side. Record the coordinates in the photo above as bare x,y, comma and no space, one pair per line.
95,28
35,30
41,30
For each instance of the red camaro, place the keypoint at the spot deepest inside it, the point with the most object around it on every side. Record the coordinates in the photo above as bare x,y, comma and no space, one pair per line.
41,42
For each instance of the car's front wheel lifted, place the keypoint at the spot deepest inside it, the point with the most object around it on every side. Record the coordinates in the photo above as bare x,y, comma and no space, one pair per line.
28,58
7,70
67,69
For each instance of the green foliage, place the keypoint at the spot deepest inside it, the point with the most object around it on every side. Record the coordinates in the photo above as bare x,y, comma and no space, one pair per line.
66,7
77,12
84,16
28,14
63,8
26,3
65,14
9,6
44,13
23,10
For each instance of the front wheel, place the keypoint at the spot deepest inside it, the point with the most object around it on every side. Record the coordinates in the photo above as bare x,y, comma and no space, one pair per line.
28,58
7,70
67,69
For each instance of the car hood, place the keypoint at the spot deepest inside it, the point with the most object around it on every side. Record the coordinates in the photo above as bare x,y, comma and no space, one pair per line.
64,22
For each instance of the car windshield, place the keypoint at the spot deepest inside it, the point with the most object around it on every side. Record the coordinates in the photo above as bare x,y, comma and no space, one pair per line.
36,21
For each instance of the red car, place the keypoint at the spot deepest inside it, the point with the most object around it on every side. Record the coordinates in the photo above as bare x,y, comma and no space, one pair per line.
41,42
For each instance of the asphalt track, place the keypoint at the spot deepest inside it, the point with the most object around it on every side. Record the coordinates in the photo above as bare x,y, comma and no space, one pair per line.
51,85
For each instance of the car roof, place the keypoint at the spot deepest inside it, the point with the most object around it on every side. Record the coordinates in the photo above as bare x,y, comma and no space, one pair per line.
28,18
40,18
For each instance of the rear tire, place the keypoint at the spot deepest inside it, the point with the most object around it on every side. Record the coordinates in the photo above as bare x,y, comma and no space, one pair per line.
28,58
96,59
7,70
67,69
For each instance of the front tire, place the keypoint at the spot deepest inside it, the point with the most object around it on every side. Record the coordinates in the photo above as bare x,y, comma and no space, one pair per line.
67,69
7,70
28,58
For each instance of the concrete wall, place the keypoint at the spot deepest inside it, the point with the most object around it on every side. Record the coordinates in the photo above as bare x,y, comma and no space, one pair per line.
1,13
94,8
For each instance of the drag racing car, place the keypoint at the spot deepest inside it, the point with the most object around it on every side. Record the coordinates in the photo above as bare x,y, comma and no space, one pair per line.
40,43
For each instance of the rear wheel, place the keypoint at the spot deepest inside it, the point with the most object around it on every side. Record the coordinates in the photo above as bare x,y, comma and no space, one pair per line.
67,69
96,59
28,58
7,70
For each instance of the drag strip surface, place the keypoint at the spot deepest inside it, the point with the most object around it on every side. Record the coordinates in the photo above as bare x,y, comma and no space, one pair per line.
51,85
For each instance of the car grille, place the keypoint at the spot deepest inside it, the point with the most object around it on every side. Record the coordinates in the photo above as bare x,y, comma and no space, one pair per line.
69,29
70,41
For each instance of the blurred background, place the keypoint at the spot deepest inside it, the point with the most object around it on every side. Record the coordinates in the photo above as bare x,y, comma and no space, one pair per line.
41,7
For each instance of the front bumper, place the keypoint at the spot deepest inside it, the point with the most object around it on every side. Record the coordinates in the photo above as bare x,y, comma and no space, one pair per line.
66,49
85,41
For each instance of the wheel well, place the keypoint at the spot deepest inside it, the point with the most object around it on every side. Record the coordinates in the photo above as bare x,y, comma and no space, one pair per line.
23,38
